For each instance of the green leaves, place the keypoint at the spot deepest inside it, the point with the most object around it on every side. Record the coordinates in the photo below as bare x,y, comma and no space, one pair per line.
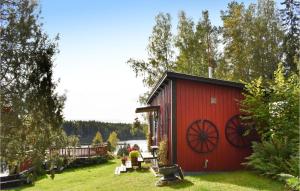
97,139
113,140
252,36
274,106
160,52
31,125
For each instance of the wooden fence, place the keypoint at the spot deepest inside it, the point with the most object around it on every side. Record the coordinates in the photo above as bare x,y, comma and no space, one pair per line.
83,152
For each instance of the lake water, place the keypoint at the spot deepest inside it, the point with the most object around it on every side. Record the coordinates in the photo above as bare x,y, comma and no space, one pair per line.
141,143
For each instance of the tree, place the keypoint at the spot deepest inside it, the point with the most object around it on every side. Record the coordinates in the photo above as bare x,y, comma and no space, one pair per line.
73,141
197,45
253,39
160,52
113,140
207,44
31,110
185,42
290,16
97,139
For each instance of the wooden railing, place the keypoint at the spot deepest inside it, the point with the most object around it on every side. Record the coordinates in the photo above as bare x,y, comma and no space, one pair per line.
80,152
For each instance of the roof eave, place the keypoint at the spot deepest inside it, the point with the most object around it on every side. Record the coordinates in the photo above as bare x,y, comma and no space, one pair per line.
174,75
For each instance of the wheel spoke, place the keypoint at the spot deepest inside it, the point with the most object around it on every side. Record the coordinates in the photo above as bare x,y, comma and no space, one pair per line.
199,128
211,142
196,130
202,136
190,134
233,135
193,140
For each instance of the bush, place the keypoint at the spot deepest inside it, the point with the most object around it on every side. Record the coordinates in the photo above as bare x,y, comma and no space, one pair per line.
88,161
292,183
134,154
272,157
274,106
162,154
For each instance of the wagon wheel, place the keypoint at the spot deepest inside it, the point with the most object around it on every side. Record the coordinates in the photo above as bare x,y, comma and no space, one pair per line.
235,130
202,136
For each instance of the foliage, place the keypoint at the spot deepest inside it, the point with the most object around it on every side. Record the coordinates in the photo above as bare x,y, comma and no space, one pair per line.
73,141
252,37
275,109
160,52
291,23
97,139
86,130
197,45
135,126
272,158
31,110
292,182
162,154
113,141
134,154
249,45
123,151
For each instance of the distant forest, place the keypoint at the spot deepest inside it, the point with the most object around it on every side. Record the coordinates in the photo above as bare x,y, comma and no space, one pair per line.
86,130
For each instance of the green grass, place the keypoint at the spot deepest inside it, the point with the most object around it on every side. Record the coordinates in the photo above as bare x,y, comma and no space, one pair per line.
101,177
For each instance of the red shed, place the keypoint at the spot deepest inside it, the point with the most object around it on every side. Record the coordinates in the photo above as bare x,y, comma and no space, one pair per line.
200,118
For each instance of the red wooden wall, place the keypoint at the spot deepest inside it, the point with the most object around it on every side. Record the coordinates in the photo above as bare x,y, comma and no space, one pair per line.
163,99
194,103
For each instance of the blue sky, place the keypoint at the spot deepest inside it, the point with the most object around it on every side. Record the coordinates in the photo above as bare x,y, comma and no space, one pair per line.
97,37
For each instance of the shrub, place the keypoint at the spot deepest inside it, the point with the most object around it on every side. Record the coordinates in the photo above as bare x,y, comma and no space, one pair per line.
271,157
292,183
162,154
274,106
134,154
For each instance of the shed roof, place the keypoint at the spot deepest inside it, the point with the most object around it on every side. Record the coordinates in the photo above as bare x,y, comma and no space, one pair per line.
174,75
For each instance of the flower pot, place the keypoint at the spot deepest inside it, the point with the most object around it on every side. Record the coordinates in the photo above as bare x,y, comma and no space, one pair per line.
168,172
134,161
123,161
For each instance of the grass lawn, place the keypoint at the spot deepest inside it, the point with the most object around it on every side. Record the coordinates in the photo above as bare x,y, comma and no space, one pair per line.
101,177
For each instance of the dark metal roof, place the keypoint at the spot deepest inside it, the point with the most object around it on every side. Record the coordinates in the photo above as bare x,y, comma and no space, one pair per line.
167,76
146,109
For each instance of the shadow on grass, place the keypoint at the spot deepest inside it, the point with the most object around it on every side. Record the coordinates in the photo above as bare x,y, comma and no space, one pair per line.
71,169
245,179
180,184
143,170
89,166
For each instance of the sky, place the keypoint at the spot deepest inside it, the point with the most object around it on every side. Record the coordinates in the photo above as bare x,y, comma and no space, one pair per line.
97,37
